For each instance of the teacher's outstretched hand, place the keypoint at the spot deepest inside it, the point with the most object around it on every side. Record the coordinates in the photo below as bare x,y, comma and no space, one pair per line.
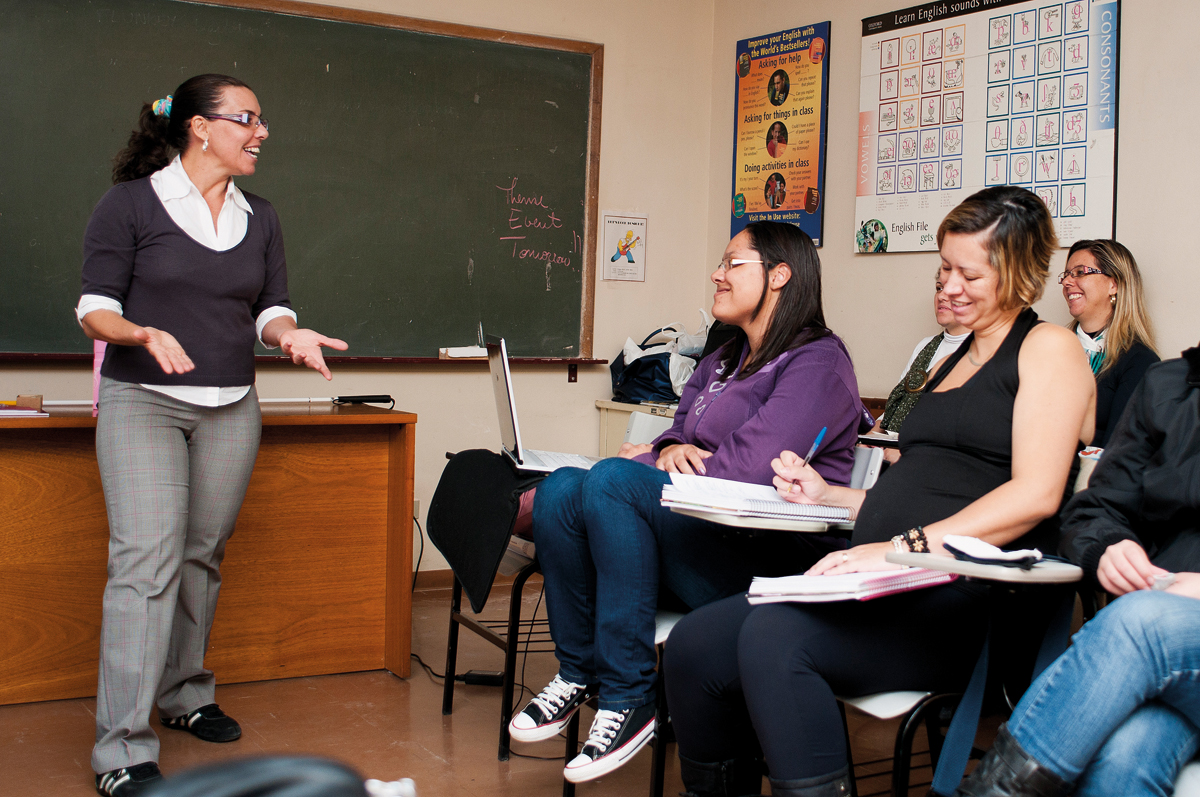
304,346
165,349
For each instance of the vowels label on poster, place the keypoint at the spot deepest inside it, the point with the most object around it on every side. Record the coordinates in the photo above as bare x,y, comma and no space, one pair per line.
782,82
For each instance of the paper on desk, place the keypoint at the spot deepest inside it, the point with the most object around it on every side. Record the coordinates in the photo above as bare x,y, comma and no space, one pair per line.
464,351
712,487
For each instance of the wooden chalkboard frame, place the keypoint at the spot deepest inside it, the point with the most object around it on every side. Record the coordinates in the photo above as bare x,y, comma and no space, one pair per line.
455,30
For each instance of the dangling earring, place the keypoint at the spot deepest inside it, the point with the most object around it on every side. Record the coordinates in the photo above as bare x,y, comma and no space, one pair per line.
205,147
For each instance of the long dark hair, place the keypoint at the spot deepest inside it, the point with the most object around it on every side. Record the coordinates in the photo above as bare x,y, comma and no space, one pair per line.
157,138
798,317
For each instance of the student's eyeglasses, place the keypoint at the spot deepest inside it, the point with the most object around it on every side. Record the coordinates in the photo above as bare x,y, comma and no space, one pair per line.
728,263
245,119
1078,273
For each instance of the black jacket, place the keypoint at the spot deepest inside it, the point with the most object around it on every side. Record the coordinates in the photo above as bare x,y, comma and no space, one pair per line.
1146,486
1115,387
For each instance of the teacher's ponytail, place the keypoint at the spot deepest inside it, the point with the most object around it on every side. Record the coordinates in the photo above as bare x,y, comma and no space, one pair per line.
162,129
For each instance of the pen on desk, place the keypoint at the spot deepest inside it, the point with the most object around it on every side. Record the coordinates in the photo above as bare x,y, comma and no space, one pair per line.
811,453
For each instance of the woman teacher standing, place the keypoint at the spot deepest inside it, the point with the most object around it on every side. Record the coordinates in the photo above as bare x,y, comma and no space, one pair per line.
181,272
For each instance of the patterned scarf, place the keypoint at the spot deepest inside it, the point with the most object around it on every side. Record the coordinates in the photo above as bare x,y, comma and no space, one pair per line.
904,395
1094,346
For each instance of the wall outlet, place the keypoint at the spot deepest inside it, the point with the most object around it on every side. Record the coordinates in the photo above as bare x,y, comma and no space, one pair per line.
416,509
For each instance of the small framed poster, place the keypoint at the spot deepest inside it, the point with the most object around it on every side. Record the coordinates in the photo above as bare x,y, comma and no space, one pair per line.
623,251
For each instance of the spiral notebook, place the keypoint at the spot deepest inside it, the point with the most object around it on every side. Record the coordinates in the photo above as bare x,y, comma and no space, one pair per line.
741,499
844,587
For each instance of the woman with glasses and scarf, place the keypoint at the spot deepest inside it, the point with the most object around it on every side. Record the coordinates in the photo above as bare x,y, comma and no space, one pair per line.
182,272
1103,289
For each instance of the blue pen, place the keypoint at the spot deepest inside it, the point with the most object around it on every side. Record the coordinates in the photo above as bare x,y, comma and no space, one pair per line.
811,453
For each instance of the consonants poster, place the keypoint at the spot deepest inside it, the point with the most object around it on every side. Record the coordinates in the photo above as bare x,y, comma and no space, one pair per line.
960,95
779,133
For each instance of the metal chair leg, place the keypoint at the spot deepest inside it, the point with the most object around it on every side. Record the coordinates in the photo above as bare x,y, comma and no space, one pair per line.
452,649
512,642
572,748
663,734
902,757
849,752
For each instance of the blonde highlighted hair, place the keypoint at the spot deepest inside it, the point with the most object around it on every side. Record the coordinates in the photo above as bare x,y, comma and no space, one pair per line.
1130,322
1021,239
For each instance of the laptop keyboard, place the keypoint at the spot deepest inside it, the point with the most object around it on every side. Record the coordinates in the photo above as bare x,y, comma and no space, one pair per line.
555,459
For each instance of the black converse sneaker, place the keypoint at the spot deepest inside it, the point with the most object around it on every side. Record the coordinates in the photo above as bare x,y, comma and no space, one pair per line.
616,737
128,781
549,712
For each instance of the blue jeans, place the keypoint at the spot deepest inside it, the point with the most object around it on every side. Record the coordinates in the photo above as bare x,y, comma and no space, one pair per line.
606,546
1119,711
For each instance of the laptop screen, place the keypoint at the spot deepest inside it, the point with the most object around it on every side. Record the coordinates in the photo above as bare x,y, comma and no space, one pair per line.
506,407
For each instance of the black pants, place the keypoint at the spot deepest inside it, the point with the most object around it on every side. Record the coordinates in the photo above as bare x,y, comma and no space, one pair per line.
745,681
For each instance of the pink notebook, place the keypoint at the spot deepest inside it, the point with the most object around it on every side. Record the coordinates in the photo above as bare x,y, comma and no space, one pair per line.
98,348
845,587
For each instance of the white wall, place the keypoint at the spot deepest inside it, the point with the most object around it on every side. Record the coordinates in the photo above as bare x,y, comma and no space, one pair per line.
882,304
665,148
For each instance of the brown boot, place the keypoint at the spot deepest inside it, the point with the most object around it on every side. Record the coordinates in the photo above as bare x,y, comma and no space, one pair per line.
1008,771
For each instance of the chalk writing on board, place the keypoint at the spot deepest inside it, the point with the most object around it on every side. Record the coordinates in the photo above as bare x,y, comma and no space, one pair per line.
527,213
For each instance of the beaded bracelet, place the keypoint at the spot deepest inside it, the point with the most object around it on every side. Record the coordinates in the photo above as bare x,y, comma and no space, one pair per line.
916,539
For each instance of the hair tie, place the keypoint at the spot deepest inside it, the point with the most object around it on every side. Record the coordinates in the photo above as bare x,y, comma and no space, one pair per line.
162,107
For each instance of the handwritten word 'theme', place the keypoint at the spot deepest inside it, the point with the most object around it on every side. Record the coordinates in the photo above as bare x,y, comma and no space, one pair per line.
520,218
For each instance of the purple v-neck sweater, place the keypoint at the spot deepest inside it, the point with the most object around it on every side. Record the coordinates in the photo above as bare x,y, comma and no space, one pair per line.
782,406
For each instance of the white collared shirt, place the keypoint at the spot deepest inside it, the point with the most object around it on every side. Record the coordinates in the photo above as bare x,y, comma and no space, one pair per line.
186,206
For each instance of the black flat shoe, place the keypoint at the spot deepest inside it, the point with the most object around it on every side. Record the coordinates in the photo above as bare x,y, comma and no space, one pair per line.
209,723
128,781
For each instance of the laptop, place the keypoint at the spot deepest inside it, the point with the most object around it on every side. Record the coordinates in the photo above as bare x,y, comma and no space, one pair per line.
510,431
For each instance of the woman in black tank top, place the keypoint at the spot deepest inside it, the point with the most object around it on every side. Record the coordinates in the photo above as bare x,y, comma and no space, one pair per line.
988,452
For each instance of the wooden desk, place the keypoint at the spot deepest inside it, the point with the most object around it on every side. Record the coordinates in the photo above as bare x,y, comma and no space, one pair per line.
317,575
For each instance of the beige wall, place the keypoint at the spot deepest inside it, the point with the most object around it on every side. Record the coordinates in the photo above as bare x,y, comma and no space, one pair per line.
882,304
666,145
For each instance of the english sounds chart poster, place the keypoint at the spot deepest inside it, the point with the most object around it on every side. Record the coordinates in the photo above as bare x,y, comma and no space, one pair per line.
957,96
779,133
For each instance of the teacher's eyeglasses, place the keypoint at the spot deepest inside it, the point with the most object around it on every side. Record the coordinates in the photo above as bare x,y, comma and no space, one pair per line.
728,263
1079,272
244,119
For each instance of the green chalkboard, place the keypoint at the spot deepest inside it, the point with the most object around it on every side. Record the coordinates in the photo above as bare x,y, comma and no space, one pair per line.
429,177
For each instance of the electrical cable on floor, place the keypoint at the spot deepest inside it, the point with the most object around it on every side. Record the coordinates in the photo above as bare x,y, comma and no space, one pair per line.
427,668
524,658
417,569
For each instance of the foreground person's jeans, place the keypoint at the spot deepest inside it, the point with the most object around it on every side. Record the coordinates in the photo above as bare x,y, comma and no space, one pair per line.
1119,711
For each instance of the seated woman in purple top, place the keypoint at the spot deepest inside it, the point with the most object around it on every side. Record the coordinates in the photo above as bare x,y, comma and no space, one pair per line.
605,544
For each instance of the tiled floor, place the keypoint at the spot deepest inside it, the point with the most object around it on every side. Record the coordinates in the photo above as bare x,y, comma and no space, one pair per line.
381,725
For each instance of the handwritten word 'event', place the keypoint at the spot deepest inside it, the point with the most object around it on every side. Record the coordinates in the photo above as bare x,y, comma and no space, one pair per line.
524,214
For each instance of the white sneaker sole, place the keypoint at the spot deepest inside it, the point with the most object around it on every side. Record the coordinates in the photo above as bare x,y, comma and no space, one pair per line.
592,769
540,732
